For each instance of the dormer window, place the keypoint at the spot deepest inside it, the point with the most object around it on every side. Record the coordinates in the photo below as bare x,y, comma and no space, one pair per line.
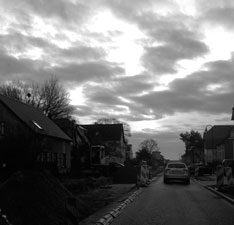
2,128
37,125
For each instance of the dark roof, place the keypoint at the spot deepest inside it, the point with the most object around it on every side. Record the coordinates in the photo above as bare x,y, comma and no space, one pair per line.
83,133
104,132
33,118
217,135
69,126
66,125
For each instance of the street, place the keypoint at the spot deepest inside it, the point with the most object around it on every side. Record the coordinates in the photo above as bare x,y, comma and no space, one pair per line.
176,203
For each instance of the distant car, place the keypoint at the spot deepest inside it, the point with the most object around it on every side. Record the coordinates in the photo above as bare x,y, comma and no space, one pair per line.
176,171
192,169
204,170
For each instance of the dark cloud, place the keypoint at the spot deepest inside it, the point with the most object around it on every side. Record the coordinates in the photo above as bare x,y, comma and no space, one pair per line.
216,12
102,95
107,98
129,10
133,85
195,93
88,71
83,53
208,92
18,42
78,63
175,42
222,16
65,11
23,69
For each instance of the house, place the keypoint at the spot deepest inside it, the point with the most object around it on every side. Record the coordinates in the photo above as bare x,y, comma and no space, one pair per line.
218,144
80,154
30,139
109,145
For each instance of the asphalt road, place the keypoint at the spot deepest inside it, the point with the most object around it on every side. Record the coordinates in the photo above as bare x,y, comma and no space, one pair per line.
176,204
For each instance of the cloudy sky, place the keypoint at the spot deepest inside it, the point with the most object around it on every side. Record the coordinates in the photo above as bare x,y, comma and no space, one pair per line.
164,66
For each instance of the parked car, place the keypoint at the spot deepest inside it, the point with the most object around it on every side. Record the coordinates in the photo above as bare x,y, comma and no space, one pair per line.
192,169
228,163
202,169
176,171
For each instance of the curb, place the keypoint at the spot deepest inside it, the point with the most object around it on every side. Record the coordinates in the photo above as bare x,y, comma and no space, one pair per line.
108,218
220,194
230,200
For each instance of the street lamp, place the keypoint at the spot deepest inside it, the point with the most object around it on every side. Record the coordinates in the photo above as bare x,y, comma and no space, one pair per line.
232,114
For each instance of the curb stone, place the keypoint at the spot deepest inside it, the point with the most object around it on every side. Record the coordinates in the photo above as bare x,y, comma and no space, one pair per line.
108,218
230,200
220,194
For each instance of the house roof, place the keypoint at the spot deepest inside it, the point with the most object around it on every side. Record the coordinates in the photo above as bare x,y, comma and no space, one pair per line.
68,126
104,132
83,134
34,118
217,135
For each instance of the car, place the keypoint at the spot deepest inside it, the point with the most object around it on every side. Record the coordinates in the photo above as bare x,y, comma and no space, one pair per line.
176,171
202,169
192,169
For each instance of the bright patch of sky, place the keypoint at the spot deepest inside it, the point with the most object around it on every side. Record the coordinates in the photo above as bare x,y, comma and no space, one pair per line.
123,46
187,7
77,96
220,42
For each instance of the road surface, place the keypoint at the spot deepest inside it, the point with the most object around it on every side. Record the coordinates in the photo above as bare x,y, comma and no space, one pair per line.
176,204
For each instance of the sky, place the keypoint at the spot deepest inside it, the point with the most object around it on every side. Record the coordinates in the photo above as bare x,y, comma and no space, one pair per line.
164,67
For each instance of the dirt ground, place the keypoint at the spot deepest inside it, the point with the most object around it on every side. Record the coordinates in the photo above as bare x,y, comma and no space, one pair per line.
29,198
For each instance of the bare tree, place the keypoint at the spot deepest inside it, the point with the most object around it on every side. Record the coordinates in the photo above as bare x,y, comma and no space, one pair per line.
55,99
50,97
13,89
149,145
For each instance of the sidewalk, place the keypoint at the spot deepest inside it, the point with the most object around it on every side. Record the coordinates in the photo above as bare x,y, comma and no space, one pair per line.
209,182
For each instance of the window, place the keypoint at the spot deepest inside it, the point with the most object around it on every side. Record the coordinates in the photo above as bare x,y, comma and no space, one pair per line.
64,160
2,128
37,125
